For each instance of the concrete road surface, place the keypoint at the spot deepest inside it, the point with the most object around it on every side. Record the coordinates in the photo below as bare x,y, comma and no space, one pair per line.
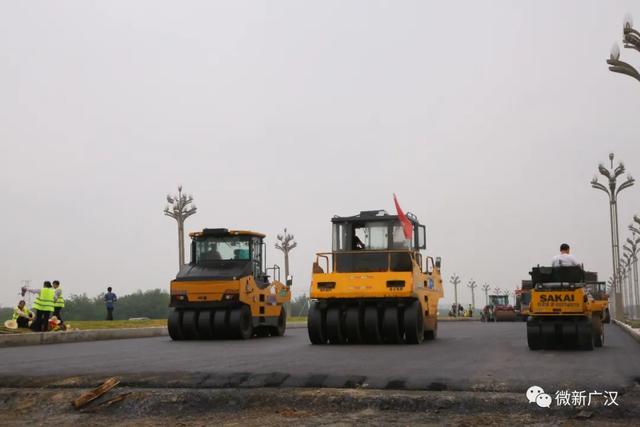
466,356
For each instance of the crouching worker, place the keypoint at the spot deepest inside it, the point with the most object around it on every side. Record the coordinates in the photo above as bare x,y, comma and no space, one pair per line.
22,315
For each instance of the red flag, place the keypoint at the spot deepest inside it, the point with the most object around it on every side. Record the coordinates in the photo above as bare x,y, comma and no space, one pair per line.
407,227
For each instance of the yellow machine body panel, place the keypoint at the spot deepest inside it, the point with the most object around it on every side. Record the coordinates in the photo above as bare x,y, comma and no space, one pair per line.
426,287
599,305
263,302
559,303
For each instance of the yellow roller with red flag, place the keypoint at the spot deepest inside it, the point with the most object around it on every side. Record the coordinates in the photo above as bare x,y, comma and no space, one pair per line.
375,286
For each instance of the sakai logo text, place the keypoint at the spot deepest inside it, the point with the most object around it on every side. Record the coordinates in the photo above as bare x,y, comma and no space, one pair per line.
557,298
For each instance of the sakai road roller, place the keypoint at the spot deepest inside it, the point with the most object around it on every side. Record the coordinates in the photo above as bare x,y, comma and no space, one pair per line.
375,286
562,312
226,291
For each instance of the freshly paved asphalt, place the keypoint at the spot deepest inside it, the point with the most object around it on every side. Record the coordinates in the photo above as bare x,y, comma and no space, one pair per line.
465,356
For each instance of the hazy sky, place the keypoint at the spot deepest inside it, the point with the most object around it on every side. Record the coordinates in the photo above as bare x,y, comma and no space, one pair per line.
487,118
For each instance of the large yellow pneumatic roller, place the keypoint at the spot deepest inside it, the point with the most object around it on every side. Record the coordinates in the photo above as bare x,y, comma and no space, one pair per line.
375,286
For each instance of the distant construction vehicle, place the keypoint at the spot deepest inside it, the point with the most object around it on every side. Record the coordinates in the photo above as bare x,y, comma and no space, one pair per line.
598,291
225,291
375,286
498,310
562,311
523,299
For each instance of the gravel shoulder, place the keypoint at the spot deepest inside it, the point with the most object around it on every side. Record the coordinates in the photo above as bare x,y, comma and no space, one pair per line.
274,407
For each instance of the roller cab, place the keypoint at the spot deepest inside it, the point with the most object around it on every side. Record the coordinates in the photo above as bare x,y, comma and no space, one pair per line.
226,291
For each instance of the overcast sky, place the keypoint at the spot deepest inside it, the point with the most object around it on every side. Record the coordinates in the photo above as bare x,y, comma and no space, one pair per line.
487,118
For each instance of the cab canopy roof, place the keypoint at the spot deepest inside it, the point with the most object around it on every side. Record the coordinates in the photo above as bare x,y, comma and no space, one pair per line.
222,232
379,215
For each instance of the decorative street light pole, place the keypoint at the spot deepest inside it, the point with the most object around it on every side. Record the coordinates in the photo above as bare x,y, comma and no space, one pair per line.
286,245
612,191
630,40
455,281
626,279
472,285
632,250
485,288
180,208
627,283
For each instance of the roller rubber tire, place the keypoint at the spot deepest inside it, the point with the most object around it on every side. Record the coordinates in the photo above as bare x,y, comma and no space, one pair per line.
240,325
371,325
569,335
174,325
548,334
220,324
335,333
278,331
598,331
534,335
190,324
205,324
433,333
261,331
413,323
585,335
316,325
353,325
391,326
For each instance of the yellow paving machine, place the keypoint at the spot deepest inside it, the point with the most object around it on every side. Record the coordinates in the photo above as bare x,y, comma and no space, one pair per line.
226,290
375,286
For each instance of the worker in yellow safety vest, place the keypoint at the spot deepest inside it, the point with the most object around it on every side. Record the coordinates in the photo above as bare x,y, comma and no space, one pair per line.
58,303
22,315
43,305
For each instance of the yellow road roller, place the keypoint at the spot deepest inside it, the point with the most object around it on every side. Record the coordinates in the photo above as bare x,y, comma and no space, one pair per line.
562,312
226,290
375,286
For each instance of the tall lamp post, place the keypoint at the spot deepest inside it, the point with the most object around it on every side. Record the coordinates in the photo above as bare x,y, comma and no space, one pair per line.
286,245
472,285
609,286
630,40
180,208
632,249
455,281
485,288
625,267
636,238
612,191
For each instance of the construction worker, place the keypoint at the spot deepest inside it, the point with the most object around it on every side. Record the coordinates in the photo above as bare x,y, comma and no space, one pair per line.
564,259
109,299
22,315
58,302
43,305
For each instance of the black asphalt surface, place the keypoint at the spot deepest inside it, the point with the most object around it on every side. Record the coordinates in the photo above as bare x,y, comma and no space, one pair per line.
465,356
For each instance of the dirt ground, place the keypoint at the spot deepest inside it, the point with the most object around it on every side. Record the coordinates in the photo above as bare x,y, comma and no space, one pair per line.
300,407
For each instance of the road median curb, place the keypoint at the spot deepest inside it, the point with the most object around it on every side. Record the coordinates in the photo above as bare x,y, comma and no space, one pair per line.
37,338
635,333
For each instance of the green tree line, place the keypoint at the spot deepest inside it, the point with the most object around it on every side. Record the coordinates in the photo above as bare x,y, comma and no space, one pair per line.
153,304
